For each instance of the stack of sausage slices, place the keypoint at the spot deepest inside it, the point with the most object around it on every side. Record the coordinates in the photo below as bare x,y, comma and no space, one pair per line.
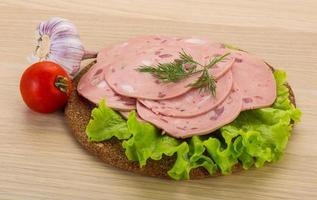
242,82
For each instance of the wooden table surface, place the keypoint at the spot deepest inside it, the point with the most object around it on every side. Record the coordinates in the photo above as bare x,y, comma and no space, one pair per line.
39,158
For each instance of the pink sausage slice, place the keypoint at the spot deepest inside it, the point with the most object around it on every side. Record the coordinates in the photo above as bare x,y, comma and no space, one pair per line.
93,87
136,45
103,54
202,124
125,114
124,79
193,102
255,80
153,42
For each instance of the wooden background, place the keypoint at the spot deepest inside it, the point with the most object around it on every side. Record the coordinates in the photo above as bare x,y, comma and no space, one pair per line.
39,159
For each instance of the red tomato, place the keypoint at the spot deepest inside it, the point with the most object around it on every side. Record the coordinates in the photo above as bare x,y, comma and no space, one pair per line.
45,87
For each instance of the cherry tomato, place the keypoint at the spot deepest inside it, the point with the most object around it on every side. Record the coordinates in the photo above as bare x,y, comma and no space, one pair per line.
45,87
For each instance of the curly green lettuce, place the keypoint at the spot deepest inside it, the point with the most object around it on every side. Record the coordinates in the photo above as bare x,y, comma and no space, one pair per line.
147,142
252,139
105,124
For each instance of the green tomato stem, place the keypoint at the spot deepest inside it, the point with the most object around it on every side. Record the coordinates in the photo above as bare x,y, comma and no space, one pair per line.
61,83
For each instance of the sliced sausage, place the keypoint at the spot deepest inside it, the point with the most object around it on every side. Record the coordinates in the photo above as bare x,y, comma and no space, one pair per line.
192,103
93,87
124,79
202,124
255,80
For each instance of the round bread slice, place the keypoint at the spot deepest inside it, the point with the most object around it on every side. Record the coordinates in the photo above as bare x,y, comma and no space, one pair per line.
78,114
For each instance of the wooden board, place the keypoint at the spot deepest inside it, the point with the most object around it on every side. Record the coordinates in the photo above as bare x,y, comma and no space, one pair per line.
39,159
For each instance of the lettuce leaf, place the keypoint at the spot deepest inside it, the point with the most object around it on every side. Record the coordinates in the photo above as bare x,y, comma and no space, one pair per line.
282,101
105,124
190,156
147,142
253,138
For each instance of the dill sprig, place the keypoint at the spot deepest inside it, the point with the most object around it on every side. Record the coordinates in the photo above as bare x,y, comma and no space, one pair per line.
168,72
205,83
183,68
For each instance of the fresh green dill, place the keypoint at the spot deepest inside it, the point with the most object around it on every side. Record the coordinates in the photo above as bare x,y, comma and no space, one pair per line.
183,68
205,83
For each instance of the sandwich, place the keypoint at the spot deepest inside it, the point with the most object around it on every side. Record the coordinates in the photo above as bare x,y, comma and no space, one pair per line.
181,108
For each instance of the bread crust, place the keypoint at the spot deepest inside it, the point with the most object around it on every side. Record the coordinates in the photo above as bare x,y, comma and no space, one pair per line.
78,114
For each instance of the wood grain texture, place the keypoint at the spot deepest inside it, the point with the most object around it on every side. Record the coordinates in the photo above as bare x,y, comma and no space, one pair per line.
39,158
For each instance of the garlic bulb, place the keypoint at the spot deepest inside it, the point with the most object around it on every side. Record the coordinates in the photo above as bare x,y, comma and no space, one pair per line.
58,41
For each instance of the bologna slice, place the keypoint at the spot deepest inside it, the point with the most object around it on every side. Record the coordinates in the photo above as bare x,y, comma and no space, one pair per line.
194,102
124,79
255,80
93,87
202,124
136,45
152,43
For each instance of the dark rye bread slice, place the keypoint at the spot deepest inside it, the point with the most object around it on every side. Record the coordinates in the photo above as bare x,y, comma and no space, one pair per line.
78,113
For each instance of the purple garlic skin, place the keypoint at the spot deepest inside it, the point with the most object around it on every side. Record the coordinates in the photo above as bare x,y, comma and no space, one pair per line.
59,41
